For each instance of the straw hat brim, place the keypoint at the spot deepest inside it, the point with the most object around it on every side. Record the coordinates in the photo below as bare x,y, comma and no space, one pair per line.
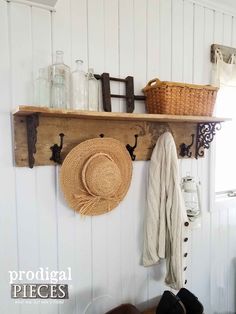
71,172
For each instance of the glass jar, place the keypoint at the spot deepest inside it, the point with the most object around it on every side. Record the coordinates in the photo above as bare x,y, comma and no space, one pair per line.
79,88
61,72
42,88
58,99
93,98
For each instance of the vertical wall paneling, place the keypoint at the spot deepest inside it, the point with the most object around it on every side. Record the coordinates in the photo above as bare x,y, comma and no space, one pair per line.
188,27
79,32
218,27
177,40
165,39
140,50
99,224
153,70
96,37
188,32
138,188
82,272
153,39
223,214
127,241
185,74
139,183
8,221
111,46
202,170
66,222
197,234
227,33
61,30
215,265
157,273
234,32
21,51
22,88
111,65
126,41
45,176
231,227
188,51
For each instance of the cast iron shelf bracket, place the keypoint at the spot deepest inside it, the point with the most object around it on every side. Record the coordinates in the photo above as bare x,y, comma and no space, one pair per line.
32,122
205,134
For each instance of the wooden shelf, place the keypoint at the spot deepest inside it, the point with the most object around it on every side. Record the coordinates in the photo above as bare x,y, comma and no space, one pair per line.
69,113
37,130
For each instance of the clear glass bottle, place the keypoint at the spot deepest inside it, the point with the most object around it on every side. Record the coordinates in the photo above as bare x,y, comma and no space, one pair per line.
42,88
61,72
58,99
79,85
93,100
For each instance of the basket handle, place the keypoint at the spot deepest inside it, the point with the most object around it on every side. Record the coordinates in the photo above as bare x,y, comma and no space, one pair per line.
152,83
156,81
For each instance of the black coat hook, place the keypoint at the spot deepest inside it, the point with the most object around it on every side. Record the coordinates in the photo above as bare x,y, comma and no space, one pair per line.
56,150
131,149
185,149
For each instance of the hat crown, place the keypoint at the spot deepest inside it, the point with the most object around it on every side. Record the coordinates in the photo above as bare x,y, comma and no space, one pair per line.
101,176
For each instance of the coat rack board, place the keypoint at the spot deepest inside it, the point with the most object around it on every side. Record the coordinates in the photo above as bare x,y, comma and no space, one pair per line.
44,136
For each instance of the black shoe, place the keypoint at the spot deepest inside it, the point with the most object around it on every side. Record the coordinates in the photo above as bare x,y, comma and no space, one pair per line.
170,304
190,301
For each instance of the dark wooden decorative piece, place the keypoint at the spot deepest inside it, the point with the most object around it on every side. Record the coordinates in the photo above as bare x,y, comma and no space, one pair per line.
185,150
106,92
32,122
129,93
226,52
205,135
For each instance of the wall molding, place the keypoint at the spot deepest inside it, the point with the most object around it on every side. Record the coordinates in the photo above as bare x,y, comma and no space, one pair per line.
210,4
33,4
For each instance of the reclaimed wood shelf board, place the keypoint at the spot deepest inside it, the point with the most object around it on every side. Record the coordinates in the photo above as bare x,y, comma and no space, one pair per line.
69,113
38,129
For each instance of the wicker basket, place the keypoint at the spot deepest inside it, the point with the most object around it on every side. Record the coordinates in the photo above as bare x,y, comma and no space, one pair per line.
179,99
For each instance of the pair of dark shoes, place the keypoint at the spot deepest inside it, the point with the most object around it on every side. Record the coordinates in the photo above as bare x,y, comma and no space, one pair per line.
183,303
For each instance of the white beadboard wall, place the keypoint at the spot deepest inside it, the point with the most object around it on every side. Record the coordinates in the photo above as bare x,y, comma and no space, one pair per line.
169,39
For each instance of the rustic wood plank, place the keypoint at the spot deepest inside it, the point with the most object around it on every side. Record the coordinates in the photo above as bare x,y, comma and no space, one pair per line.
78,126
78,130
226,52
69,113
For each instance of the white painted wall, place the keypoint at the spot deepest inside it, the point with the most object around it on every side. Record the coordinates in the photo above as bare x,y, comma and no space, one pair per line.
164,38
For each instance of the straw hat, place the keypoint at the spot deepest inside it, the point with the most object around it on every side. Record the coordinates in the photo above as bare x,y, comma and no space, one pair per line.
95,175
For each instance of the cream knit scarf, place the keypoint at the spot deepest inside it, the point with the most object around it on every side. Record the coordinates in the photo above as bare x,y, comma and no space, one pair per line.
166,214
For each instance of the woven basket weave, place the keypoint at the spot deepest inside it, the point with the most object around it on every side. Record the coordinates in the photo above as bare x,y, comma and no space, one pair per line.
179,99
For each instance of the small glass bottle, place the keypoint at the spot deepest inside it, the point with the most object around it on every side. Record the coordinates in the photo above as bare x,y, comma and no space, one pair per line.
93,101
58,99
42,88
79,87
61,72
